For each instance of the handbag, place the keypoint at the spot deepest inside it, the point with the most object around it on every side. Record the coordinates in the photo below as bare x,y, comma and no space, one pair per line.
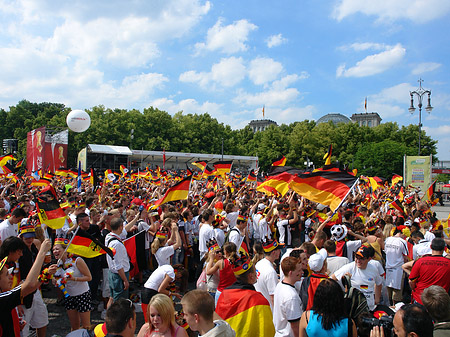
201,282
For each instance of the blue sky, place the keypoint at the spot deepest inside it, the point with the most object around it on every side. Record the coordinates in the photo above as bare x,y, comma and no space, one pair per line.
301,59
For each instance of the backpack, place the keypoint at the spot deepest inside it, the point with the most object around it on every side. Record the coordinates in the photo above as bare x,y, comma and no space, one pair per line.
354,300
227,236
129,260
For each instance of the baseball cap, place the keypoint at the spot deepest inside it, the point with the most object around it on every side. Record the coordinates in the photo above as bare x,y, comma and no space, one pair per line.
316,260
364,252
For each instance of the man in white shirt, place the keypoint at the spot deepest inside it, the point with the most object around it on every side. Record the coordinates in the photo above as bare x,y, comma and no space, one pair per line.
237,234
9,227
333,262
396,250
206,232
287,309
265,271
119,267
364,276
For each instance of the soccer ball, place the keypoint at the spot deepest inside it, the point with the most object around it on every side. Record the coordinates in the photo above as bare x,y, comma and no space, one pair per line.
338,232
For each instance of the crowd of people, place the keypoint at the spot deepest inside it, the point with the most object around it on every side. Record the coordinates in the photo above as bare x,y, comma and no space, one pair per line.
263,265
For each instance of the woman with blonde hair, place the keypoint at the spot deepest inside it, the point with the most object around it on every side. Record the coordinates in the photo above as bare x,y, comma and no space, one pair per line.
164,248
161,314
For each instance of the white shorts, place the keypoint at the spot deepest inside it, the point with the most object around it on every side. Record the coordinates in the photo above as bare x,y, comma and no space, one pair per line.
105,284
37,315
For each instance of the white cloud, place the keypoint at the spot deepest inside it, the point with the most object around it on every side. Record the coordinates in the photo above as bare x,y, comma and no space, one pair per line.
277,95
425,68
418,11
227,73
275,40
227,39
263,70
361,46
373,64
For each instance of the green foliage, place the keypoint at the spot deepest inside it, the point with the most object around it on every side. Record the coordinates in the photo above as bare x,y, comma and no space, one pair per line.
443,178
373,151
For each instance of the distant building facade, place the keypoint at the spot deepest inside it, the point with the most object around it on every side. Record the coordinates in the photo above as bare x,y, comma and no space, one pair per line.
370,119
335,118
261,124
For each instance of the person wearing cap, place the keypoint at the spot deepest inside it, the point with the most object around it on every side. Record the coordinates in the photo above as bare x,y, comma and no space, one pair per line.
11,298
287,309
35,312
318,265
238,232
396,250
265,270
240,305
364,276
430,270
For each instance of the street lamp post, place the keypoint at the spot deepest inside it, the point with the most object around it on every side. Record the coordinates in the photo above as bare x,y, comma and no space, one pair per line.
420,92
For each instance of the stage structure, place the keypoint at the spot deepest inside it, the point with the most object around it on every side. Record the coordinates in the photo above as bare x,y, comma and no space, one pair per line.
103,157
47,148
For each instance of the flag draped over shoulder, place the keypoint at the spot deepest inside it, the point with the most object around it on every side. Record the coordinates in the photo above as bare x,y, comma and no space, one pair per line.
281,161
179,191
85,245
135,247
246,310
49,210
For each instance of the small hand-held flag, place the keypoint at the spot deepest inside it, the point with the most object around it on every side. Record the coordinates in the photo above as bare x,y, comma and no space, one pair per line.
327,155
281,161
79,177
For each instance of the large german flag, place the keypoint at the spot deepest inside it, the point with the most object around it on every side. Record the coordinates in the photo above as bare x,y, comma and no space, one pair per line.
94,180
179,191
396,179
85,245
49,210
208,171
41,182
429,195
61,172
280,161
246,310
200,164
135,247
325,187
279,183
4,159
222,167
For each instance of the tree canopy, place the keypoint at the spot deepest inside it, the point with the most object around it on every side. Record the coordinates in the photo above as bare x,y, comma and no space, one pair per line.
373,151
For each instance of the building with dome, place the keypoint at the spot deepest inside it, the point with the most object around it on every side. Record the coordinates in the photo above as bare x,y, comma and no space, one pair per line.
335,118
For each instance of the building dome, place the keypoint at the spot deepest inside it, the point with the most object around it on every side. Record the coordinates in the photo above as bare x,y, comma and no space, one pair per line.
335,118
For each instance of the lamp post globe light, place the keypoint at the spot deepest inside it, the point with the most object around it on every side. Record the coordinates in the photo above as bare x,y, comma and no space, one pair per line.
420,92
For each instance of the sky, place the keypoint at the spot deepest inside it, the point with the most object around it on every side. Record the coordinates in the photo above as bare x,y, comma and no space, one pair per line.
298,59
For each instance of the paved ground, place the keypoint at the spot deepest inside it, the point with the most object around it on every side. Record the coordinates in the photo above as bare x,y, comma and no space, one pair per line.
59,322
442,211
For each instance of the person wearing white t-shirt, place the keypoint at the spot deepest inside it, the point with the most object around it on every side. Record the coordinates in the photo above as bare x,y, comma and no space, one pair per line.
164,249
206,232
9,227
265,271
364,276
334,262
396,250
287,309
237,234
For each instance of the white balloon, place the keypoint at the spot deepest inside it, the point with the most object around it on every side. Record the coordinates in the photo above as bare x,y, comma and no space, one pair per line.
78,120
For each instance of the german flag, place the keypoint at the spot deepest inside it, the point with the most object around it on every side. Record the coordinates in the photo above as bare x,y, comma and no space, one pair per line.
325,187
48,208
396,179
19,164
281,161
179,191
124,170
200,164
61,172
7,169
72,173
110,176
327,156
401,194
135,247
41,182
94,180
251,176
279,183
4,159
208,171
246,310
222,167
430,194
85,245
398,206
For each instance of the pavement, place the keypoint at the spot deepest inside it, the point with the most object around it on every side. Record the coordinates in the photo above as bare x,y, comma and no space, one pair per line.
442,212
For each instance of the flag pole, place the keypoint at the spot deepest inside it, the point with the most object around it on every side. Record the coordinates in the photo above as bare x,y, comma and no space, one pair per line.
76,231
